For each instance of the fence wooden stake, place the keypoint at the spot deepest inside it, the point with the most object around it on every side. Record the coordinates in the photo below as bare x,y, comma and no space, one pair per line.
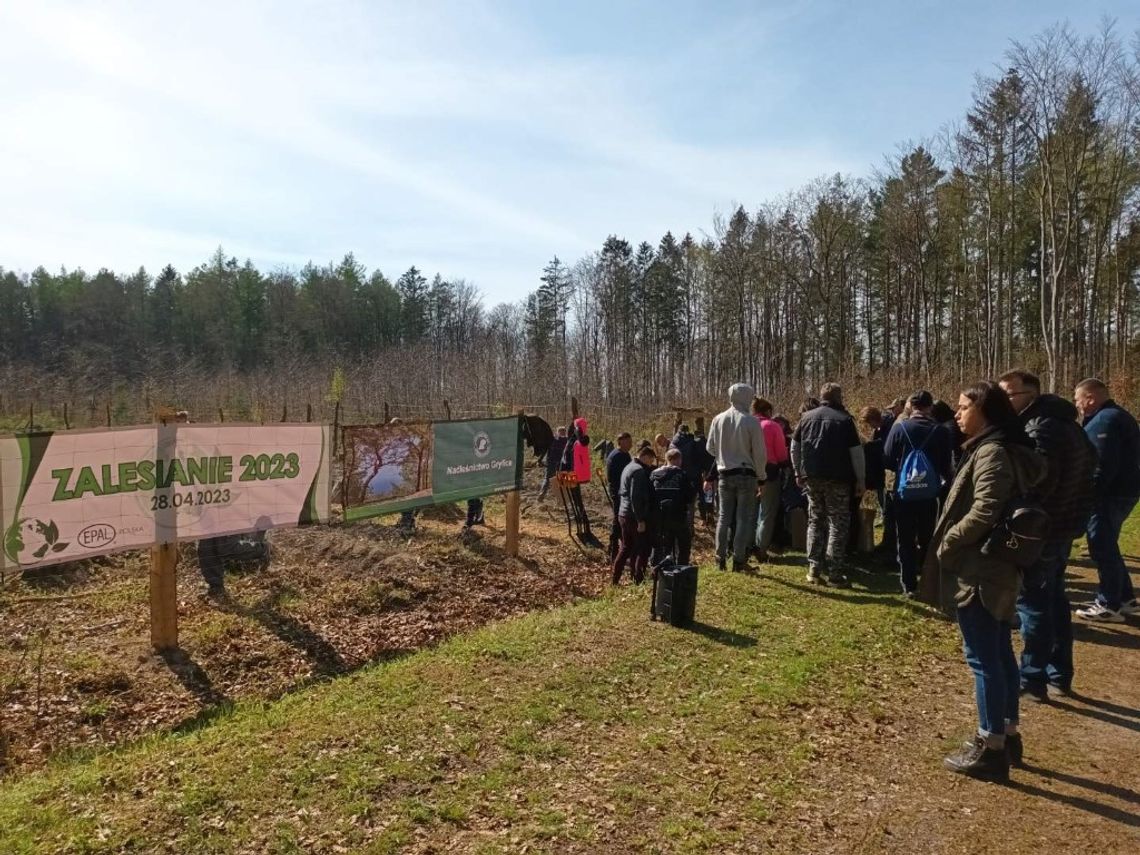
387,417
221,416
108,414
513,505
31,416
164,596
447,409
309,412
285,413
335,427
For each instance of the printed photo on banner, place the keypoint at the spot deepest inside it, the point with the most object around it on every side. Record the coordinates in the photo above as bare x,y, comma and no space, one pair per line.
385,463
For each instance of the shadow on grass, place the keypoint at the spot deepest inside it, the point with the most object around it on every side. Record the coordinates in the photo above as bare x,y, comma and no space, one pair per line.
722,636
1098,714
1107,706
1102,634
882,596
325,658
1123,793
193,678
1124,817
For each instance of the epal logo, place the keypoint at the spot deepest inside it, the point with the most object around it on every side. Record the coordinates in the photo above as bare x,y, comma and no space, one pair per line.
96,536
34,536
482,444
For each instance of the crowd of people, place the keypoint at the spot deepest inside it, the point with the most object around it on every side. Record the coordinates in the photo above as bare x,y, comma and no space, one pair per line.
951,484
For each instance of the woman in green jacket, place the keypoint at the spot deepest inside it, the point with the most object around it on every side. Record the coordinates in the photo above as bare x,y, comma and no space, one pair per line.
998,464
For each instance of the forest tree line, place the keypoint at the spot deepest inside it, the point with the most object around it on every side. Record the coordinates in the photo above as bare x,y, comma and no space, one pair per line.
1011,238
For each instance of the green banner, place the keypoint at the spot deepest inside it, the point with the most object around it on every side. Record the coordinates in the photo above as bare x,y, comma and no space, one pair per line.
476,458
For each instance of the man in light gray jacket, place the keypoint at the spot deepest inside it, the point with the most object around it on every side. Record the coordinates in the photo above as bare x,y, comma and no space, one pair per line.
736,443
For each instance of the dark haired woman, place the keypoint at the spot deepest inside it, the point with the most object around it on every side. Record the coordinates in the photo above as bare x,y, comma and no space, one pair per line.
998,464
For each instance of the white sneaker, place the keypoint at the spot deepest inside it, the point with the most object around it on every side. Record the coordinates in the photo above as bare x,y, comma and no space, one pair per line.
1130,609
1101,614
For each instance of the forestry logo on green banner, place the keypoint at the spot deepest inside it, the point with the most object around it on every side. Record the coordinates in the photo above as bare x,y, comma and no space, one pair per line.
74,494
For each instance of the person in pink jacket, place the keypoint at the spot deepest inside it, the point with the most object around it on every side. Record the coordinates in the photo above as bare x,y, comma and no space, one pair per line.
776,446
576,459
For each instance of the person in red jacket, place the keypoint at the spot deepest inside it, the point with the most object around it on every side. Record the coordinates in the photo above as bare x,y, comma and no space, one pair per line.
576,459
776,446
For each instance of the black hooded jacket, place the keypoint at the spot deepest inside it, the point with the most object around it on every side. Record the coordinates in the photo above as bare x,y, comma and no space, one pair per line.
1067,491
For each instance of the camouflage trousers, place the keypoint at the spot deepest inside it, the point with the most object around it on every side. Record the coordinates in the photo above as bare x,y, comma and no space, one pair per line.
829,524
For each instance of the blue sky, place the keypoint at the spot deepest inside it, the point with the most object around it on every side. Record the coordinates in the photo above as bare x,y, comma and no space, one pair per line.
476,139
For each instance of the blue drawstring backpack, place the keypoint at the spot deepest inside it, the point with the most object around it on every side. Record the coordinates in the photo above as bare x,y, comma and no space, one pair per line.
917,479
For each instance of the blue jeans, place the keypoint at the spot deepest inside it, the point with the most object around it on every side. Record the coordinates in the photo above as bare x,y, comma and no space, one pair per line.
738,513
769,510
1046,622
1108,516
988,645
914,523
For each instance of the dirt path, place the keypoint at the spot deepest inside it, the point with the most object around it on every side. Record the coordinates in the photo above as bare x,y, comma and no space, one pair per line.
883,788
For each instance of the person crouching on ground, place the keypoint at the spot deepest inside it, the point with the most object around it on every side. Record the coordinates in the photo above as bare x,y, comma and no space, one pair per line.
999,464
674,493
636,516
736,443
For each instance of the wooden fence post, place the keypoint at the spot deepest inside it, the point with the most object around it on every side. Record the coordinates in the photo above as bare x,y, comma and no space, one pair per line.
164,596
513,506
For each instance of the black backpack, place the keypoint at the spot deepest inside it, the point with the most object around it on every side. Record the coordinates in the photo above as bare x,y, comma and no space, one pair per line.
669,484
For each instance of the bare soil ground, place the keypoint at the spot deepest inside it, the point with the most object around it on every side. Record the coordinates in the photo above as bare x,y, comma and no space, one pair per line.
77,669
880,786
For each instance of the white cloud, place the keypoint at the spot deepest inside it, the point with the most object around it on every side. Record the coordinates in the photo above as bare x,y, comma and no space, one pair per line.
405,132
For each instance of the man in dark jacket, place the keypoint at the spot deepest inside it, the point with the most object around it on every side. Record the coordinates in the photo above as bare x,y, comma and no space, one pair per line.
828,459
1116,438
915,518
686,443
616,462
674,493
635,514
1066,494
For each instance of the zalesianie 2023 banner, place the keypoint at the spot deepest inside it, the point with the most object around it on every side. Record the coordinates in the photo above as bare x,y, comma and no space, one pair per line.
390,468
74,494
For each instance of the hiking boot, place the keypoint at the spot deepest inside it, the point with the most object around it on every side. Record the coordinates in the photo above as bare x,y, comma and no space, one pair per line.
740,566
217,593
838,580
1015,749
816,578
1131,608
1061,687
1100,613
1035,692
977,761
722,564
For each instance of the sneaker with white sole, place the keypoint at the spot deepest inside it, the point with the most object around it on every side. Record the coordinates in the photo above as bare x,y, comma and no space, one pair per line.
1131,608
1101,614
816,578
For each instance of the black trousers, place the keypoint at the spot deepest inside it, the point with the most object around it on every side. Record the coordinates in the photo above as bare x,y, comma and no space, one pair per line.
674,537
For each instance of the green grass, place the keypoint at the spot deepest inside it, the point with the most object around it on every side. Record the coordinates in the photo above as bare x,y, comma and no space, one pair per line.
582,727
